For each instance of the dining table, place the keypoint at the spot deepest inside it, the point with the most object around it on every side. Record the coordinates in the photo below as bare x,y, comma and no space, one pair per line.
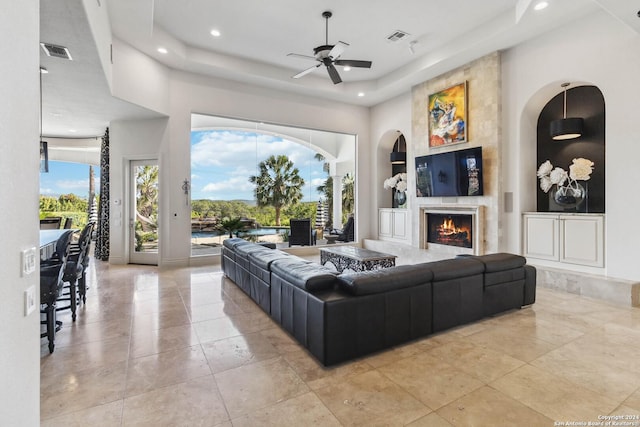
48,239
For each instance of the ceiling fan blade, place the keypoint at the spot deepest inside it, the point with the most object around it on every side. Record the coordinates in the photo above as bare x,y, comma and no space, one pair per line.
338,50
333,73
353,63
297,55
307,71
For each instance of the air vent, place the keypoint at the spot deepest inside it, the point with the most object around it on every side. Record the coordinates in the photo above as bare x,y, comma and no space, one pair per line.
397,35
56,51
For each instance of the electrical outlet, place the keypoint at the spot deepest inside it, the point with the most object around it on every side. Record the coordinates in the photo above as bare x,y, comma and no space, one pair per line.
29,300
28,261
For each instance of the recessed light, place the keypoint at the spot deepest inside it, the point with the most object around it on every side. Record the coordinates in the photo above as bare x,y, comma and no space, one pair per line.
215,33
162,50
72,130
360,94
541,5
346,68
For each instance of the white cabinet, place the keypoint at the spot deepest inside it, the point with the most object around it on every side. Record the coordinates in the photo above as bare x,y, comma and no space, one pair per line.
565,238
392,224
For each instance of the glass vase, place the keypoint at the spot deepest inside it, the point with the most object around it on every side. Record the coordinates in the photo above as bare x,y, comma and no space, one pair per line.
400,199
570,196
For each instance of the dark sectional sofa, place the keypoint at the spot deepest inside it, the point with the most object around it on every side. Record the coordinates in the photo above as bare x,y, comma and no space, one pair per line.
338,317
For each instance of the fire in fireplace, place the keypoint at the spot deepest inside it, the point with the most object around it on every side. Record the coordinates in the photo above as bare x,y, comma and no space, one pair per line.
450,229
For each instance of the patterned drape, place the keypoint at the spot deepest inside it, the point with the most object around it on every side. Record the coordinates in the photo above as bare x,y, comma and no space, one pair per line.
102,235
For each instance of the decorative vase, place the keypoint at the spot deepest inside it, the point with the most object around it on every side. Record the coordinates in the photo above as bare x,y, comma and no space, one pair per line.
570,196
400,199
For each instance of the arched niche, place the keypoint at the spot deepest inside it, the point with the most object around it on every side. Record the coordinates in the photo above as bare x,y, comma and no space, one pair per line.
390,141
586,102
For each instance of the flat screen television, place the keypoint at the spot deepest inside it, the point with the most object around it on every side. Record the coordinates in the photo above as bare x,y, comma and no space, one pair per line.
454,173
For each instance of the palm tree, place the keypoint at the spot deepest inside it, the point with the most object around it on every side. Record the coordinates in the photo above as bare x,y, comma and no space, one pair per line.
279,184
348,197
147,197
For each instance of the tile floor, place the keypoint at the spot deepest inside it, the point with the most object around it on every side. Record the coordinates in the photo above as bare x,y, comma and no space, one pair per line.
186,347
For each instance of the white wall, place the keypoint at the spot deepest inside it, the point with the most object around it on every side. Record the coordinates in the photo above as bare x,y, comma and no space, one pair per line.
19,163
386,119
135,140
597,50
170,142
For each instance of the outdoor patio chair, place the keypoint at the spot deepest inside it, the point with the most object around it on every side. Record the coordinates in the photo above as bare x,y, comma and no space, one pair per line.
301,232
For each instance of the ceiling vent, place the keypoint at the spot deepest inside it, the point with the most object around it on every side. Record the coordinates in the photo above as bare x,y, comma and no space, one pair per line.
56,51
397,35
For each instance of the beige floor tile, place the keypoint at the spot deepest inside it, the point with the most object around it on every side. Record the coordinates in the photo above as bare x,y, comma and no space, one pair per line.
318,376
512,341
193,403
237,351
282,341
258,385
305,410
65,393
107,415
552,396
411,349
145,323
199,313
591,363
73,333
167,368
215,329
79,357
434,382
481,362
633,401
166,339
489,407
371,399
431,420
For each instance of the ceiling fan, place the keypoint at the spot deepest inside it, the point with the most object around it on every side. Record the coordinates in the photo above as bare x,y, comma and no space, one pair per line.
328,55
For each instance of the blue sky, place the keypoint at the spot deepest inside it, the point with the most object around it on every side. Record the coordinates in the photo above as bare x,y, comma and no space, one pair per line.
66,177
222,162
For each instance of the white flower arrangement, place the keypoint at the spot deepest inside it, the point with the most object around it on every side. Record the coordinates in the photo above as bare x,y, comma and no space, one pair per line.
579,170
398,181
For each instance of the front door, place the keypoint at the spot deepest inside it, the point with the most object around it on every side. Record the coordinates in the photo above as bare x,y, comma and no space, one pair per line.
143,215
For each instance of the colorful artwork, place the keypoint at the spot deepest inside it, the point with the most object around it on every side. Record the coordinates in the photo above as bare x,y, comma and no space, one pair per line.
448,116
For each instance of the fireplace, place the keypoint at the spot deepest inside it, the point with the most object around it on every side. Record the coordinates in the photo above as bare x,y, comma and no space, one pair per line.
450,229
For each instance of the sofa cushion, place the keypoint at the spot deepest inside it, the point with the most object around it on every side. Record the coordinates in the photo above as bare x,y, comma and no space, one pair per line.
303,274
501,261
383,280
449,269
245,250
263,259
233,242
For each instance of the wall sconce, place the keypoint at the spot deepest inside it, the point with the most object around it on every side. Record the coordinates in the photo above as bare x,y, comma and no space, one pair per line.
398,157
186,187
566,128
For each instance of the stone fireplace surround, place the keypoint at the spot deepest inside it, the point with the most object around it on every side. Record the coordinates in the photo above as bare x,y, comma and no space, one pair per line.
477,221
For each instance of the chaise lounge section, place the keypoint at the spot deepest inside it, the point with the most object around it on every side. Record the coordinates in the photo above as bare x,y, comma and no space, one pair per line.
339,317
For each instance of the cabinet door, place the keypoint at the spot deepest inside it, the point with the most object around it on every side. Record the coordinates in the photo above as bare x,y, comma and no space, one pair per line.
385,223
541,237
400,224
582,240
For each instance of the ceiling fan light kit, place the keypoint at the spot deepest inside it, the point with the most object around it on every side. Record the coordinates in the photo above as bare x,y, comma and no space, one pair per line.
328,54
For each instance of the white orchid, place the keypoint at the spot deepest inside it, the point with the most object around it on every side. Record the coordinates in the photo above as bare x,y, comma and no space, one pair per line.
579,170
398,181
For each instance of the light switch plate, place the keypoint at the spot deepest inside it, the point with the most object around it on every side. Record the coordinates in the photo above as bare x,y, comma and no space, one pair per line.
28,261
29,300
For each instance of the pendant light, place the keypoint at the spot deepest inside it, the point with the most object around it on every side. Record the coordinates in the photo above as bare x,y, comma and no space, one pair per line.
566,128
398,157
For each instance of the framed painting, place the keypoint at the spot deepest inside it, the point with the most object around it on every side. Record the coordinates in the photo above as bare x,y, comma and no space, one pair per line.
448,122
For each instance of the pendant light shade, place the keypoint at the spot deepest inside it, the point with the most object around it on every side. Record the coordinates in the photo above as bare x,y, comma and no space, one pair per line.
563,129
566,127
399,157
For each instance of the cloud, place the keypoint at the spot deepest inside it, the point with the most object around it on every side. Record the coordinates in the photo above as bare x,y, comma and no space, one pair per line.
46,191
78,184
